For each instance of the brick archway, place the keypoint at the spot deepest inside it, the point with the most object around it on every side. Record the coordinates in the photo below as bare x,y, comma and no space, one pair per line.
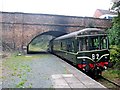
51,33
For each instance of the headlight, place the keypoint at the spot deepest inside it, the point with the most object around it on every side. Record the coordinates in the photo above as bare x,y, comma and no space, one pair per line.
84,60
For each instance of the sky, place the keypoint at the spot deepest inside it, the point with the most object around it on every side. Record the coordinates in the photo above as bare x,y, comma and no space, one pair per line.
58,7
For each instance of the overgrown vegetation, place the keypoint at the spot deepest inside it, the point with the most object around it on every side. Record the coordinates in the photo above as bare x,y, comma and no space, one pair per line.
36,47
40,43
115,56
114,38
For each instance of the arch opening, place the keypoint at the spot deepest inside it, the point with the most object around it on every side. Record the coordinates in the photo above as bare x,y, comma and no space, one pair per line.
39,44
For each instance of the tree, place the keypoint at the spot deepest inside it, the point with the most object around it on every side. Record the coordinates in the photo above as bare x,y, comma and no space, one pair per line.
116,5
114,36
114,32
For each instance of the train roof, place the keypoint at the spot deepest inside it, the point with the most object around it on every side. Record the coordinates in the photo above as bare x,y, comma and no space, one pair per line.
86,31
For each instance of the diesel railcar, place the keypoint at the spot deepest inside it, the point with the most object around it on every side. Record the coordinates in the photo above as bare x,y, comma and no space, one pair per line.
88,49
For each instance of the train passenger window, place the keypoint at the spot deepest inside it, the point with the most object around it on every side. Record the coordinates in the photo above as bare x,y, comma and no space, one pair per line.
70,46
57,45
63,45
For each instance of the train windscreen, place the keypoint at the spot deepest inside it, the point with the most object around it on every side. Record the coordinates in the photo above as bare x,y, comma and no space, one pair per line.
92,43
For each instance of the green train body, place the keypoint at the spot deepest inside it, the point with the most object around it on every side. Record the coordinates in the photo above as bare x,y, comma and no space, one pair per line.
88,49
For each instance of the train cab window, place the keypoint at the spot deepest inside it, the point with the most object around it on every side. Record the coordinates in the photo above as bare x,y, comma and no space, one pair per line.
94,43
103,42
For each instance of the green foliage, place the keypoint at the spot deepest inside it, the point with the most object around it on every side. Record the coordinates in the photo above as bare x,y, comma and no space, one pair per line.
116,6
20,85
112,74
115,56
40,43
114,32
41,39
114,36
115,53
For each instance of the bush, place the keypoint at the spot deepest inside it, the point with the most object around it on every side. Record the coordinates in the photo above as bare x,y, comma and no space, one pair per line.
115,55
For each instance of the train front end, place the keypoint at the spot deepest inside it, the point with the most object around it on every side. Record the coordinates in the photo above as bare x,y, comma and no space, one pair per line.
93,52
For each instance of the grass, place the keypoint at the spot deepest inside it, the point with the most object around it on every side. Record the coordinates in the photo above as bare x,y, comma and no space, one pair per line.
38,47
112,74
35,48
21,83
16,67
14,61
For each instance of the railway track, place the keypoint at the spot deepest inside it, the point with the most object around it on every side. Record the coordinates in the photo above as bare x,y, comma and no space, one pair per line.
108,83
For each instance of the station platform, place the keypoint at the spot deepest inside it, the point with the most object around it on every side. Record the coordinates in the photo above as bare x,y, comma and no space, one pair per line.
73,79
47,71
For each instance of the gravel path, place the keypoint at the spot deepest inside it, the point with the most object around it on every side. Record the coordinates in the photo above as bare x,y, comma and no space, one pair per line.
36,74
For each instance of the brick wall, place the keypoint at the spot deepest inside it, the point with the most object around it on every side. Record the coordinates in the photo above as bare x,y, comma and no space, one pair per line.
18,29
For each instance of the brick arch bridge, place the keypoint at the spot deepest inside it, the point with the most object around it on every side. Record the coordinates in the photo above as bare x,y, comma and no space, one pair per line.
18,29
